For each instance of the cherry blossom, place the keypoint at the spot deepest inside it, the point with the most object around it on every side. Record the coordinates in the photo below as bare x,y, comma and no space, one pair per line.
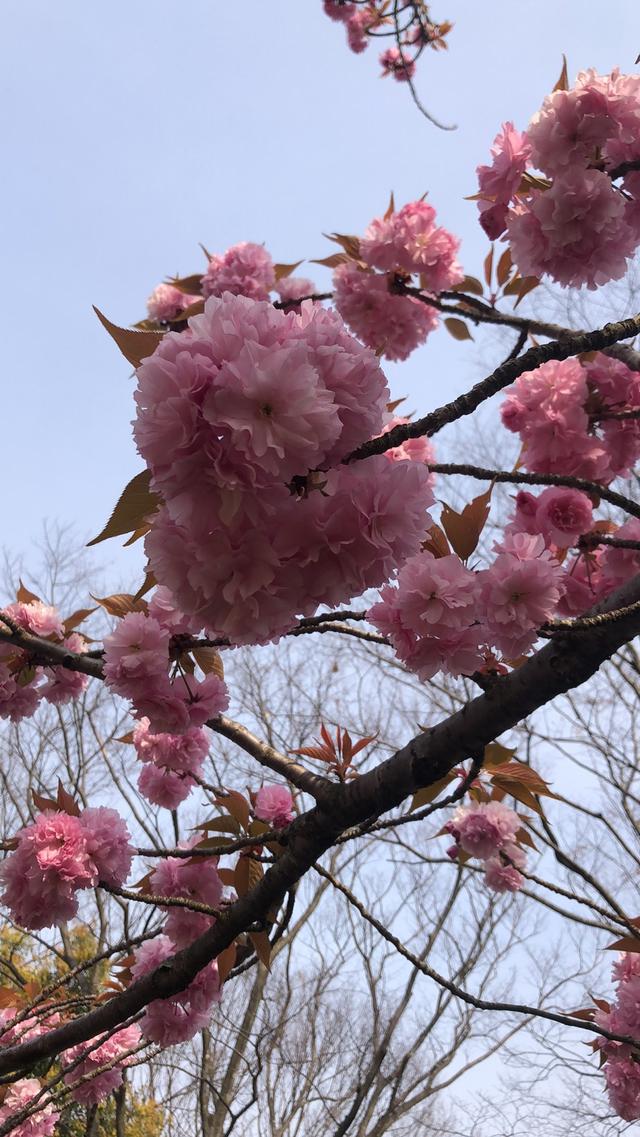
102,1084
274,805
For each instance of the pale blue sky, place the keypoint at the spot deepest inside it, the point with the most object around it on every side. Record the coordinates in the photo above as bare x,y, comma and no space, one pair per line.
134,129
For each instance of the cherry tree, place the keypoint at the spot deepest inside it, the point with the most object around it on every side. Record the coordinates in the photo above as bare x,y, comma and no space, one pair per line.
284,495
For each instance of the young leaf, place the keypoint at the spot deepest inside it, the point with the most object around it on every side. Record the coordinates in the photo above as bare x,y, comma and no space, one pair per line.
191,285
495,754
135,346
76,618
458,329
505,264
391,208
464,529
24,596
236,805
436,542
332,261
563,81
488,266
469,284
260,941
226,960
248,873
209,660
135,504
429,793
285,270
120,604
351,245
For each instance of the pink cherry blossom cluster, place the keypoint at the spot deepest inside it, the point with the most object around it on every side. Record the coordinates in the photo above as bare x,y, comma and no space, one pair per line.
243,420
573,223
489,831
190,879
180,1017
622,1068
166,303
564,412
172,762
560,515
274,805
440,615
136,666
403,243
87,1062
363,18
22,686
19,1096
57,856
32,1026
245,269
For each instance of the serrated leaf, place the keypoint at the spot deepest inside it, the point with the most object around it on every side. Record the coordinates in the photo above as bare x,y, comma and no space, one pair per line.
191,285
248,874
469,284
517,791
520,773
429,793
25,596
66,802
262,946
436,542
391,208
282,270
135,346
505,264
148,583
224,824
331,261
76,618
464,529
458,329
563,81
120,604
228,877
136,535
128,737
488,267
226,960
349,243
43,803
236,805
134,506
527,286
395,403
209,661
627,943
495,754
195,309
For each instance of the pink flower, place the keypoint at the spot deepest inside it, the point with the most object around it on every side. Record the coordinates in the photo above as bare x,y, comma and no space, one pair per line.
484,829
392,325
562,515
180,1017
620,565
274,805
244,270
295,287
339,10
195,879
166,303
499,182
17,700
182,753
63,684
51,863
626,967
408,241
430,616
583,583
108,844
394,63
520,591
576,231
135,652
162,608
164,787
622,1076
413,450
19,1095
357,26
599,117
501,876
101,1085
40,619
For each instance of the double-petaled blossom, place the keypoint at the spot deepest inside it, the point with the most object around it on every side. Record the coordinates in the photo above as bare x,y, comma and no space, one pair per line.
195,879
178,1018
57,856
430,615
172,763
519,592
244,270
167,303
19,1096
409,241
574,224
274,805
87,1061
136,667
488,831
559,514
244,420
389,324
565,413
